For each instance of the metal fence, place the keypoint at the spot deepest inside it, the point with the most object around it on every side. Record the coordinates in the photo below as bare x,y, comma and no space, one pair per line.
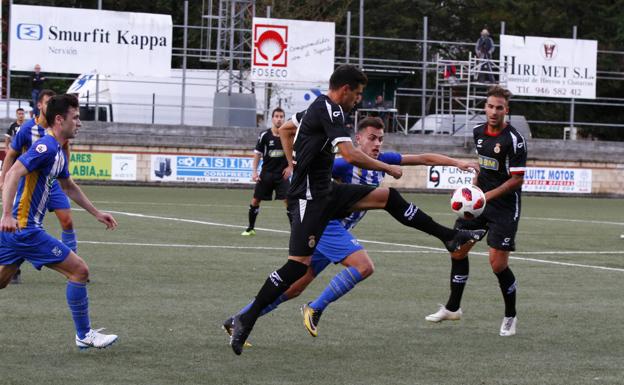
422,66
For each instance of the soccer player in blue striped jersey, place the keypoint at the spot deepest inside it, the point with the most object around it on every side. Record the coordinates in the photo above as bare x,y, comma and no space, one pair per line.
29,133
338,245
22,238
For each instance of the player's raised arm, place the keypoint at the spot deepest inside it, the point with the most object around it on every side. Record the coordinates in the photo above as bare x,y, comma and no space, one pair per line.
356,157
75,193
429,159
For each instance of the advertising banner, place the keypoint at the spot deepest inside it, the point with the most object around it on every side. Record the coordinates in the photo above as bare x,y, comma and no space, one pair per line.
543,66
536,179
87,165
446,177
102,166
292,51
201,169
124,167
560,180
74,40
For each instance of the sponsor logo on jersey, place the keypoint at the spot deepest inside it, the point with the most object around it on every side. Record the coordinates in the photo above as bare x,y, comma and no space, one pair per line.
276,153
488,163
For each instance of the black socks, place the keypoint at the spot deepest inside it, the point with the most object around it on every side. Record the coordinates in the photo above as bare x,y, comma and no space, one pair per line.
253,214
459,277
411,216
277,283
507,282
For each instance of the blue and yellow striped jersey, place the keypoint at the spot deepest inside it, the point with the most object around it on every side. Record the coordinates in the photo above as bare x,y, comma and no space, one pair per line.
29,133
45,161
348,173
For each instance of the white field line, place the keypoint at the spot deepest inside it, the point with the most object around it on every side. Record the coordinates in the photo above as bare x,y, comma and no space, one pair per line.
279,206
401,244
173,245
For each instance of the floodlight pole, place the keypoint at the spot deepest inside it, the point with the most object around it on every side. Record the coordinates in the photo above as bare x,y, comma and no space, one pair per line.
361,42
185,44
423,101
574,31
348,42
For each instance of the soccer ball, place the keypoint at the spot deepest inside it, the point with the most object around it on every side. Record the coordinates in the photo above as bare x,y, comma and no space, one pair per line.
468,202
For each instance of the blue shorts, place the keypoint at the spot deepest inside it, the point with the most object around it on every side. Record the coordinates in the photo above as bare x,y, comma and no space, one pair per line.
335,245
33,245
58,199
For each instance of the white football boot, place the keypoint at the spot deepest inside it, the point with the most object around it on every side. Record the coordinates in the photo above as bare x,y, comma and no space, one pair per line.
443,314
508,327
95,339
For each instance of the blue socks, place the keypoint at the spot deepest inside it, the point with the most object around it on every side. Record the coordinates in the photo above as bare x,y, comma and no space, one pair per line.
78,302
68,237
268,309
339,286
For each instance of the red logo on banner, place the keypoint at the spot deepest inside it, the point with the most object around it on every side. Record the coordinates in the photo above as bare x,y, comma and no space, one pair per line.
270,43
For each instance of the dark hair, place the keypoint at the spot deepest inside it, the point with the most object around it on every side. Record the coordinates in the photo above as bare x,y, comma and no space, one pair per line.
371,121
59,105
45,93
19,109
277,110
499,92
349,75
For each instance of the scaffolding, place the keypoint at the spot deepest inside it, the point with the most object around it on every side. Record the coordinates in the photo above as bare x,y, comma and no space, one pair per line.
460,91
233,21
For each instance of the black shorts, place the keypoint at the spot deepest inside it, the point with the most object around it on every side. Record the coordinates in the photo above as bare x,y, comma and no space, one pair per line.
269,183
310,217
501,224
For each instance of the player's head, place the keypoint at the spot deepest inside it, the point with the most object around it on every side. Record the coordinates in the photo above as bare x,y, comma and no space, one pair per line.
63,115
369,136
42,101
277,117
37,68
19,114
497,106
346,83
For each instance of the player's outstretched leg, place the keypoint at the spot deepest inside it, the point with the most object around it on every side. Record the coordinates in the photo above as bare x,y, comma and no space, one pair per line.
410,215
274,286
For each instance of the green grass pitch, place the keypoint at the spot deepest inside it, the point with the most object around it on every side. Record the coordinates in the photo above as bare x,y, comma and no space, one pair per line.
166,279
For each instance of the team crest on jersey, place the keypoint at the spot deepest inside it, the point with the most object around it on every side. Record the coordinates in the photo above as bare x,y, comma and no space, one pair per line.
487,162
311,241
497,148
41,148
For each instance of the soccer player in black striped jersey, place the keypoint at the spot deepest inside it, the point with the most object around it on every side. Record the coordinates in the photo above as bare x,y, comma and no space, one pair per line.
275,170
310,143
502,155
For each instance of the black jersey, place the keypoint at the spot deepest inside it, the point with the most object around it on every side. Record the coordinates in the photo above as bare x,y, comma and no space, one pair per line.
270,147
320,128
500,156
13,128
